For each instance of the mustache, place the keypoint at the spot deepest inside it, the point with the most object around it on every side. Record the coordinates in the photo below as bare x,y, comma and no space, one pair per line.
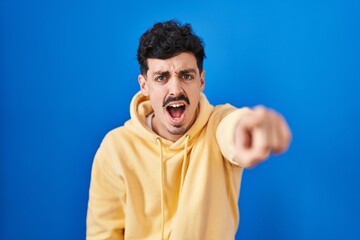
174,99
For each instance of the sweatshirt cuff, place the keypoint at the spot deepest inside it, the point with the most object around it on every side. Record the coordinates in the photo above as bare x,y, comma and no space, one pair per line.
225,133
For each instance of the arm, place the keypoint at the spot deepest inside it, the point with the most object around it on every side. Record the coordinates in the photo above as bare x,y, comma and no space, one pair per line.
248,136
106,208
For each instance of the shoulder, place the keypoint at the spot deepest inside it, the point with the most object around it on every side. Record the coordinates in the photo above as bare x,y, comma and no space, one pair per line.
220,112
114,141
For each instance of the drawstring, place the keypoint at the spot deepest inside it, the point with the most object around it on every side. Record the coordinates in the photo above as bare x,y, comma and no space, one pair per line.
183,171
162,187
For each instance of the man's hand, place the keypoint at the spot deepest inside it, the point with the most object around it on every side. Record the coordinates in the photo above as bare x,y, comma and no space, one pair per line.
259,133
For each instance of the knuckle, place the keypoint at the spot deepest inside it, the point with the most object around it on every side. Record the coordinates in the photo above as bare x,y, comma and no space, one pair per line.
248,160
250,163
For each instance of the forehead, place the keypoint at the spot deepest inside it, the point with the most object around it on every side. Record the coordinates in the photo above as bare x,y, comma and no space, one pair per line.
173,64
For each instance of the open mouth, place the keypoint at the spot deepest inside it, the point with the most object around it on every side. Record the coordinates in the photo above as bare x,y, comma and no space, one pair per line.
176,110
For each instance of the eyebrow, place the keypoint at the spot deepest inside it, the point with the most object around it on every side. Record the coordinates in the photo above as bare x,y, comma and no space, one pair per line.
181,72
161,73
189,70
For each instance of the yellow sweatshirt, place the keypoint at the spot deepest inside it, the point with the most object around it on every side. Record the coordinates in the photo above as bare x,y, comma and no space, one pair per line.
146,187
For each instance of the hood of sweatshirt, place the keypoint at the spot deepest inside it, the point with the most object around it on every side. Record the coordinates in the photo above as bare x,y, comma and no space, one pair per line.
140,108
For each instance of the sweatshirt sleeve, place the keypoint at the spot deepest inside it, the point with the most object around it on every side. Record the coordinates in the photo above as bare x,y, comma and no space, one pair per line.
106,207
225,133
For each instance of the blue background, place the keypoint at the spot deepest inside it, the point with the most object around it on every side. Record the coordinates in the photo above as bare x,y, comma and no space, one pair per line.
68,71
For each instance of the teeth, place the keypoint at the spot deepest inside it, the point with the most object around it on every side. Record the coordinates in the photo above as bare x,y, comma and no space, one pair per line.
176,105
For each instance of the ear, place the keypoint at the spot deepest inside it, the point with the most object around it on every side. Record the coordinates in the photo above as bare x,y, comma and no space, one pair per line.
202,80
143,85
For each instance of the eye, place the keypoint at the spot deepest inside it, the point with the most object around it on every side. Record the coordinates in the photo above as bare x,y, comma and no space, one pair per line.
160,78
187,77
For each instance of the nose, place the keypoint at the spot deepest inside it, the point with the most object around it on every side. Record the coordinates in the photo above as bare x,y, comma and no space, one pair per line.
175,87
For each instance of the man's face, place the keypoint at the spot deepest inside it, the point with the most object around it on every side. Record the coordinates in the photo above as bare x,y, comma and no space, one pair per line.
174,86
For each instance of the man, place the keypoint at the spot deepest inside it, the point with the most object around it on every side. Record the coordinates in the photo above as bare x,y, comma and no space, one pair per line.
173,171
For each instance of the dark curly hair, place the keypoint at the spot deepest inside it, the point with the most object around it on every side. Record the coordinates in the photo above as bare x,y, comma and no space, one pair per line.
167,39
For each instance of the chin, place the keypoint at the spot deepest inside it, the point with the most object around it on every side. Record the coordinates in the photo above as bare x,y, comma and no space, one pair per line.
177,130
